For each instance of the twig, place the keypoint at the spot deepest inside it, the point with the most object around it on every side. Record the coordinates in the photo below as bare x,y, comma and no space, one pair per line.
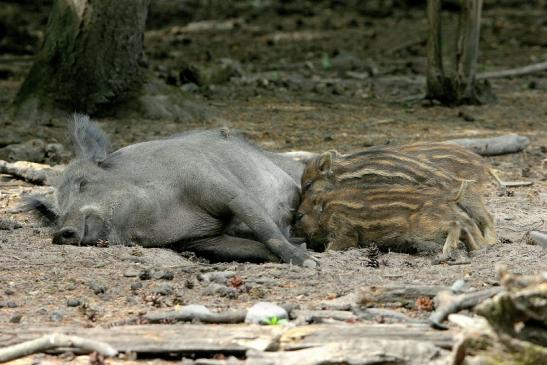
53,341
514,184
188,316
536,67
448,303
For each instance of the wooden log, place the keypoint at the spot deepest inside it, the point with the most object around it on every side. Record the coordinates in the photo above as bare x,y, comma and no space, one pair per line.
405,296
34,173
495,145
356,352
232,339
176,338
319,335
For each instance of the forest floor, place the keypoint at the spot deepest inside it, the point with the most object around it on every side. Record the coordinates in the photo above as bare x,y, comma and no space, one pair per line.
316,81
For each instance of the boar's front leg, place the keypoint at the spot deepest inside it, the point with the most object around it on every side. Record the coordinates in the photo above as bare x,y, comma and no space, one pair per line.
249,212
228,248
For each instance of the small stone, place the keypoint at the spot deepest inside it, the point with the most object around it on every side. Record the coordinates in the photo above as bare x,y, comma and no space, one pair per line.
219,277
9,291
73,302
163,275
189,284
16,318
222,290
164,289
8,304
145,274
266,313
131,300
136,286
97,287
42,311
56,316
257,292
131,273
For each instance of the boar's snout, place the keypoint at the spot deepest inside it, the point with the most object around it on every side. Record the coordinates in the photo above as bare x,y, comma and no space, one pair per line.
66,236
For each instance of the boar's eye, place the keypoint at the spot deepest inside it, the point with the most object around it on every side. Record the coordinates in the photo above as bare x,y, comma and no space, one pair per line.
82,184
307,186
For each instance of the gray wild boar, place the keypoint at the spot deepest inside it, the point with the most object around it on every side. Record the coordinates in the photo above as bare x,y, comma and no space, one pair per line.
208,191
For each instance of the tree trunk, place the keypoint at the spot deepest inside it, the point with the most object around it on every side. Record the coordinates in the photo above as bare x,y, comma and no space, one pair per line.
439,87
469,91
92,61
460,86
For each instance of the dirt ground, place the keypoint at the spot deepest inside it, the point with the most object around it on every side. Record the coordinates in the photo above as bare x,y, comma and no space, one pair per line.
314,81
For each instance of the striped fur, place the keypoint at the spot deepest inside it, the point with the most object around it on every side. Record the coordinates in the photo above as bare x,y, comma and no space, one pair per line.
396,197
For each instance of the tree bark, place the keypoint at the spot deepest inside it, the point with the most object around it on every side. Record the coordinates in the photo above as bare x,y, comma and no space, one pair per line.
439,87
92,61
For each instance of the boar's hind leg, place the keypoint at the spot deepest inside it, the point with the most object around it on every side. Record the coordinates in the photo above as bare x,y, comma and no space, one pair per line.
228,248
252,214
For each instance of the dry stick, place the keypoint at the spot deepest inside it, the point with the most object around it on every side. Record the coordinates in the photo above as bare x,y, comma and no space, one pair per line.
188,316
449,303
53,341
536,67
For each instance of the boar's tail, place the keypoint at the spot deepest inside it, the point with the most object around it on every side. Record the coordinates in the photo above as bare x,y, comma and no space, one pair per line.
44,204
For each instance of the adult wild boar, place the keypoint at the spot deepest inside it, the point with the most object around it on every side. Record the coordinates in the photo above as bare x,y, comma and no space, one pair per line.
209,191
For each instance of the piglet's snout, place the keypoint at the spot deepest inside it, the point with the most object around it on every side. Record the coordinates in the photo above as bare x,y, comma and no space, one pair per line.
66,236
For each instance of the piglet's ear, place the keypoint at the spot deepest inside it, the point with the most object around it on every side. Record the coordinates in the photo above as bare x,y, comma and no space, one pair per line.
325,162
90,142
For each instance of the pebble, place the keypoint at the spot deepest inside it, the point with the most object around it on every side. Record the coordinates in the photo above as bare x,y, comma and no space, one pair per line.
73,302
164,289
131,273
9,291
163,275
97,287
136,286
145,274
8,304
219,277
56,316
264,312
42,311
16,318
222,290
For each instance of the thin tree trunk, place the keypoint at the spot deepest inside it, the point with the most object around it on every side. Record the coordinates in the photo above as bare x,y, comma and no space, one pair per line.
468,50
439,86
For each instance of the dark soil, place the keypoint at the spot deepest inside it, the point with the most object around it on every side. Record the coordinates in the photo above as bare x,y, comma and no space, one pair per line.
329,79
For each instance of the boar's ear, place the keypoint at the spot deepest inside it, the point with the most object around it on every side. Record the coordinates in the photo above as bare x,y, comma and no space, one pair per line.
90,142
44,204
325,162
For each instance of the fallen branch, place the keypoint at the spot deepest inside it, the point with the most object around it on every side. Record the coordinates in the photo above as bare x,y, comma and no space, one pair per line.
34,173
405,296
514,184
195,314
536,67
448,303
53,341
510,143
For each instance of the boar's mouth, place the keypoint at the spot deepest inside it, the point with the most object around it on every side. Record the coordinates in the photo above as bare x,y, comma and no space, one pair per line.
92,230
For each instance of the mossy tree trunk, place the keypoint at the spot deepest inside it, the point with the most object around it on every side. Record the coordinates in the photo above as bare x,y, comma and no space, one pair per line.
92,61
